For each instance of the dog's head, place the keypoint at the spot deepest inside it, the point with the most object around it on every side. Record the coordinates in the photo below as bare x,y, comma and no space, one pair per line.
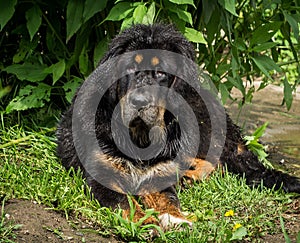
144,99
142,92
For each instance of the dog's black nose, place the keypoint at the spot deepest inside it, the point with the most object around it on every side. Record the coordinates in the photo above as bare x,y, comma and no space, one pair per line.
139,100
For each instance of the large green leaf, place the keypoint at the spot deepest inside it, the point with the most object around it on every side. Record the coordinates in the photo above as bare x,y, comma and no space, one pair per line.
25,46
213,24
139,14
84,62
264,33
190,2
194,35
288,93
224,92
34,20
266,64
71,87
4,91
91,7
229,5
30,97
264,46
235,61
99,51
149,17
184,15
7,9
240,44
238,83
120,11
293,23
209,7
127,22
28,71
74,17
57,70
179,23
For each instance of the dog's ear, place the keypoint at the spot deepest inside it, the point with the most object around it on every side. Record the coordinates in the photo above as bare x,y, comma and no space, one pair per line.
119,44
179,43
114,51
182,46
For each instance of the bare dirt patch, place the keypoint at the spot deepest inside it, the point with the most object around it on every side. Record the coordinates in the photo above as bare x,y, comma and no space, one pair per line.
40,224
291,224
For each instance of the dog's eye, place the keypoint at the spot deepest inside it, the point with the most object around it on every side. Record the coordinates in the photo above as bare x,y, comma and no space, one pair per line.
164,82
131,70
162,78
160,74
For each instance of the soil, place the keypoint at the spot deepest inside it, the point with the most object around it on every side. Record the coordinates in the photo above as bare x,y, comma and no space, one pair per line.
39,224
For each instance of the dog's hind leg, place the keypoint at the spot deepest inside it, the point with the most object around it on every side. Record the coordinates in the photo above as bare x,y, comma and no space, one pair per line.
199,170
245,163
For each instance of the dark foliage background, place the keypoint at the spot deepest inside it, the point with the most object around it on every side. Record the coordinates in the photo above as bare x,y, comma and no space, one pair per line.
47,48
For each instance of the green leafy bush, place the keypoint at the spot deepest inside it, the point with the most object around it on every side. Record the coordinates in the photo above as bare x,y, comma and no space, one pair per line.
48,47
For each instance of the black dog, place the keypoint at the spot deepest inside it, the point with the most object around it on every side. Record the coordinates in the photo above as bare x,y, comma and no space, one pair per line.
130,105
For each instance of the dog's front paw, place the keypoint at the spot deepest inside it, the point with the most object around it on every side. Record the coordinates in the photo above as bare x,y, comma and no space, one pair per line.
168,221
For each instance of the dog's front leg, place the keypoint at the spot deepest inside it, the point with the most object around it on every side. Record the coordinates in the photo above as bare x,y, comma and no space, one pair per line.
166,203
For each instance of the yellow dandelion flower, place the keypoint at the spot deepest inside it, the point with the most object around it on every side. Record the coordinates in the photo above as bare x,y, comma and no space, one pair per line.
229,213
236,226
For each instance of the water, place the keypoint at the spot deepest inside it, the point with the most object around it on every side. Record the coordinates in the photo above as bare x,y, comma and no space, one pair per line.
283,132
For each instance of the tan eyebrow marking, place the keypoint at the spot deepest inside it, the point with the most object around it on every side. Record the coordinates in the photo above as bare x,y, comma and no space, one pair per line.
154,61
138,58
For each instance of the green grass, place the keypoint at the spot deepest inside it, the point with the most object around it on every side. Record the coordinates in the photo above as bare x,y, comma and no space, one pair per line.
223,208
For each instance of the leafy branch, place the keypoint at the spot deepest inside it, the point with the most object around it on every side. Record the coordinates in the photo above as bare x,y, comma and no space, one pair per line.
61,42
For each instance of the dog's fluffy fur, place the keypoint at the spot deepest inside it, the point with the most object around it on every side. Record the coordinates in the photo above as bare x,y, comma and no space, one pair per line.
235,154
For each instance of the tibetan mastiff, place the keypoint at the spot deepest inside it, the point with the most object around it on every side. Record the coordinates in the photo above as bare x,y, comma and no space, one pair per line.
140,123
